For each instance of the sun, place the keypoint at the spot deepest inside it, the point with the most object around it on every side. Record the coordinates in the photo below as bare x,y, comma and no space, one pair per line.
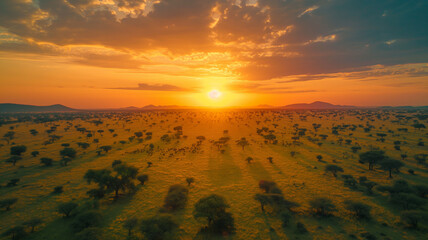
214,94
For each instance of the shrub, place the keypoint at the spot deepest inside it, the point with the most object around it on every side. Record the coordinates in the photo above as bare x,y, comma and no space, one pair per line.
322,206
67,208
86,220
7,203
413,218
143,178
158,227
176,197
359,209
213,209
58,190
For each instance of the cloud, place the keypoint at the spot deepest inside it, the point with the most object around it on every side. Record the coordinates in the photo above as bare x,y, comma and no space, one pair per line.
156,87
270,39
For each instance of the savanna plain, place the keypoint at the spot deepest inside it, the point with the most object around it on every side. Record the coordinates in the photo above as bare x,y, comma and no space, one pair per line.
214,174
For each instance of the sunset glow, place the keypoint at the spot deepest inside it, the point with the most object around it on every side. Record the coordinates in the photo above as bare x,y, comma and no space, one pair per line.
103,54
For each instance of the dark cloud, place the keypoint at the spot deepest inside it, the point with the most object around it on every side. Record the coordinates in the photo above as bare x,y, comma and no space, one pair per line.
272,39
156,87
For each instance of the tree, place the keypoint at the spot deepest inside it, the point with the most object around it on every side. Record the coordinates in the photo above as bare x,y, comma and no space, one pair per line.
130,224
319,157
322,206
176,197
7,203
143,178
270,159
158,227
16,233
249,159
407,200
106,148
390,164
420,158
68,152
190,180
35,153
14,159
65,161
267,186
213,209
67,208
86,220
122,180
33,223
243,143
46,161
17,150
418,126
413,217
263,199
334,169
372,157
209,207
359,209
9,136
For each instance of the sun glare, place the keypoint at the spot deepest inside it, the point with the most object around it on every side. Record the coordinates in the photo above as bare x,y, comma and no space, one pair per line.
214,94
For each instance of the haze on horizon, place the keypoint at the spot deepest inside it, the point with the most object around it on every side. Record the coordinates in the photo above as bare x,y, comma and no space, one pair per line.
118,53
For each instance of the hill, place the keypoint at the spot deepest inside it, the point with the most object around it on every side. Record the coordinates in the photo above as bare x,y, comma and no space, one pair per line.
15,108
316,105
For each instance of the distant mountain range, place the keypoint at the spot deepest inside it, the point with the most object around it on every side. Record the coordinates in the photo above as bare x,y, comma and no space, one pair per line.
318,105
12,108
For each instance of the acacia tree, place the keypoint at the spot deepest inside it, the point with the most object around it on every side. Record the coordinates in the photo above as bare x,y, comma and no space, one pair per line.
372,157
17,150
391,164
334,169
213,209
121,180
243,142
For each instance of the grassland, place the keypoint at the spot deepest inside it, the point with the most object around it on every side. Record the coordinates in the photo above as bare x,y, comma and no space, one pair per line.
216,169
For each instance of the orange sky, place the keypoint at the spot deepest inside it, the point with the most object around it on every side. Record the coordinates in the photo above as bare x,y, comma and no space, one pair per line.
99,54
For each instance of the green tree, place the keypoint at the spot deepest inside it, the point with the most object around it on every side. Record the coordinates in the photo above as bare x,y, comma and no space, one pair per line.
7,203
359,209
159,227
334,169
372,157
322,206
391,164
67,208
18,150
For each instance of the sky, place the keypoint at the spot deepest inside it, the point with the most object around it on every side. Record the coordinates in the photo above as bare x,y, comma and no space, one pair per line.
119,53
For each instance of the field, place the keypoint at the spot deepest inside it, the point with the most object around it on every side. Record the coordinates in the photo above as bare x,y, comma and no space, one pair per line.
219,165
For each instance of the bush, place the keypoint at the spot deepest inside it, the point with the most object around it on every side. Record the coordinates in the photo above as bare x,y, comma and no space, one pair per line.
7,203
322,206
86,220
176,197
158,227
46,161
413,218
213,209
143,178
67,208
58,190
359,209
